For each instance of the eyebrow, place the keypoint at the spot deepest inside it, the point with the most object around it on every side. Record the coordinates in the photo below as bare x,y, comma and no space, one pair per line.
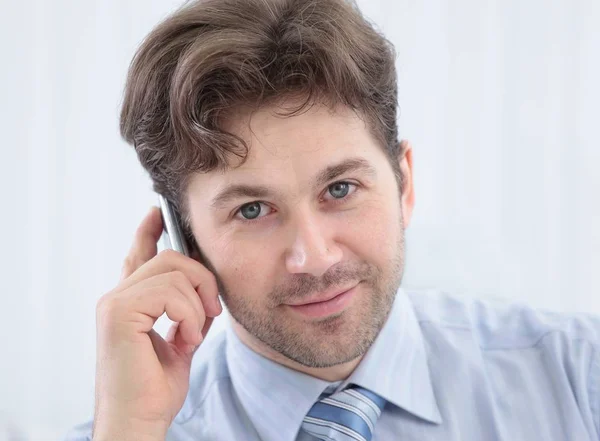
236,191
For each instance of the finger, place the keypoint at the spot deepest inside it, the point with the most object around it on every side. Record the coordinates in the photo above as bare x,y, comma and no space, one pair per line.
201,279
181,344
207,324
182,283
175,338
144,244
146,303
189,325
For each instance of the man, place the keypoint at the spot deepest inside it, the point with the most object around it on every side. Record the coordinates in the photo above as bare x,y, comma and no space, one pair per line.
271,125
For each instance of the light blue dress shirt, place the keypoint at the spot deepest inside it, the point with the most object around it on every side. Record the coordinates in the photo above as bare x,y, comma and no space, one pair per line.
450,368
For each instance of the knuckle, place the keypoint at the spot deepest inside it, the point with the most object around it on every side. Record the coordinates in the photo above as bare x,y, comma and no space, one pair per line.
139,231
127,263
107,305
168,253
178,277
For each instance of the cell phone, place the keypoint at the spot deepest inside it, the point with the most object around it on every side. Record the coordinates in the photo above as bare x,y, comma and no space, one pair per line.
173,236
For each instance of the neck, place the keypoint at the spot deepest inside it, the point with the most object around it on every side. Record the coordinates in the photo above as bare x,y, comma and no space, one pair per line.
331,374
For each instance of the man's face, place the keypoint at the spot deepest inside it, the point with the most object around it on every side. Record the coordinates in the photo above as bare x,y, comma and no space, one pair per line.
311,234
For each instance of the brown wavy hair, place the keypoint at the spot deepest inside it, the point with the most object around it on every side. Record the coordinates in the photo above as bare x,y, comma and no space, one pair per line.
212,56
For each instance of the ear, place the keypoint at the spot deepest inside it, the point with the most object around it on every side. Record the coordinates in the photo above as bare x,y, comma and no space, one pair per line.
405,160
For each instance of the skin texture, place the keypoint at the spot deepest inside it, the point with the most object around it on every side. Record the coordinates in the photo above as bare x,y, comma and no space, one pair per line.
286,247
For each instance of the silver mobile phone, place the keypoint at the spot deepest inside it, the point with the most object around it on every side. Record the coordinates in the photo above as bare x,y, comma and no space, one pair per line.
173,236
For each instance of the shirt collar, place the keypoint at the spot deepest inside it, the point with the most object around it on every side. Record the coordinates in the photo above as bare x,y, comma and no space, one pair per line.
275,397
395,367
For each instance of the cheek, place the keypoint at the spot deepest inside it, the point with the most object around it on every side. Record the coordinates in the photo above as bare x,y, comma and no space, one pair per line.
243,268
375,226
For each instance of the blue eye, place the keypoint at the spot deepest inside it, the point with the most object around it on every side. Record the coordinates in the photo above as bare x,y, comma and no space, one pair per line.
339,189
252,211
342,191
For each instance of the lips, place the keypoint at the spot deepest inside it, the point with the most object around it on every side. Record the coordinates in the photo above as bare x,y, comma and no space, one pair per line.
325,308
325,296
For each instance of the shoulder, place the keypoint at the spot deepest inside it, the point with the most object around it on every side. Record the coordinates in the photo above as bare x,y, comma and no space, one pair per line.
514,345
500,324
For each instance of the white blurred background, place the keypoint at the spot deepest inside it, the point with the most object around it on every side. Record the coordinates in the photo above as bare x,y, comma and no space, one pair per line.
499,97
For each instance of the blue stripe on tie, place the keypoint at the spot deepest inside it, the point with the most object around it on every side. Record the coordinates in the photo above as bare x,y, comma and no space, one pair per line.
352,408
379,401
328,430
347,398
340,416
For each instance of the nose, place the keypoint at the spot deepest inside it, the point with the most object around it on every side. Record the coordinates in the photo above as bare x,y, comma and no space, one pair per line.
312,250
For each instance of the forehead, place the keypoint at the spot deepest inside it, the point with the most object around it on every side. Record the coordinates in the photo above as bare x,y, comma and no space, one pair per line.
318,134
288,154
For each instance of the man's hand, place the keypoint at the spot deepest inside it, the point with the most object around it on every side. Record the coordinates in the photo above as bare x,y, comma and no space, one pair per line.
142,379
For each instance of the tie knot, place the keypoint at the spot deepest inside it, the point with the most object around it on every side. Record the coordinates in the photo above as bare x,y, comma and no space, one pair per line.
350,414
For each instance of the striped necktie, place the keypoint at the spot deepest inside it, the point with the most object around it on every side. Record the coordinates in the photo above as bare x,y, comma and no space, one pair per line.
348,415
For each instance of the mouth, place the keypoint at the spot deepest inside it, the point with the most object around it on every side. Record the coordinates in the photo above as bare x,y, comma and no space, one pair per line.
327,304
